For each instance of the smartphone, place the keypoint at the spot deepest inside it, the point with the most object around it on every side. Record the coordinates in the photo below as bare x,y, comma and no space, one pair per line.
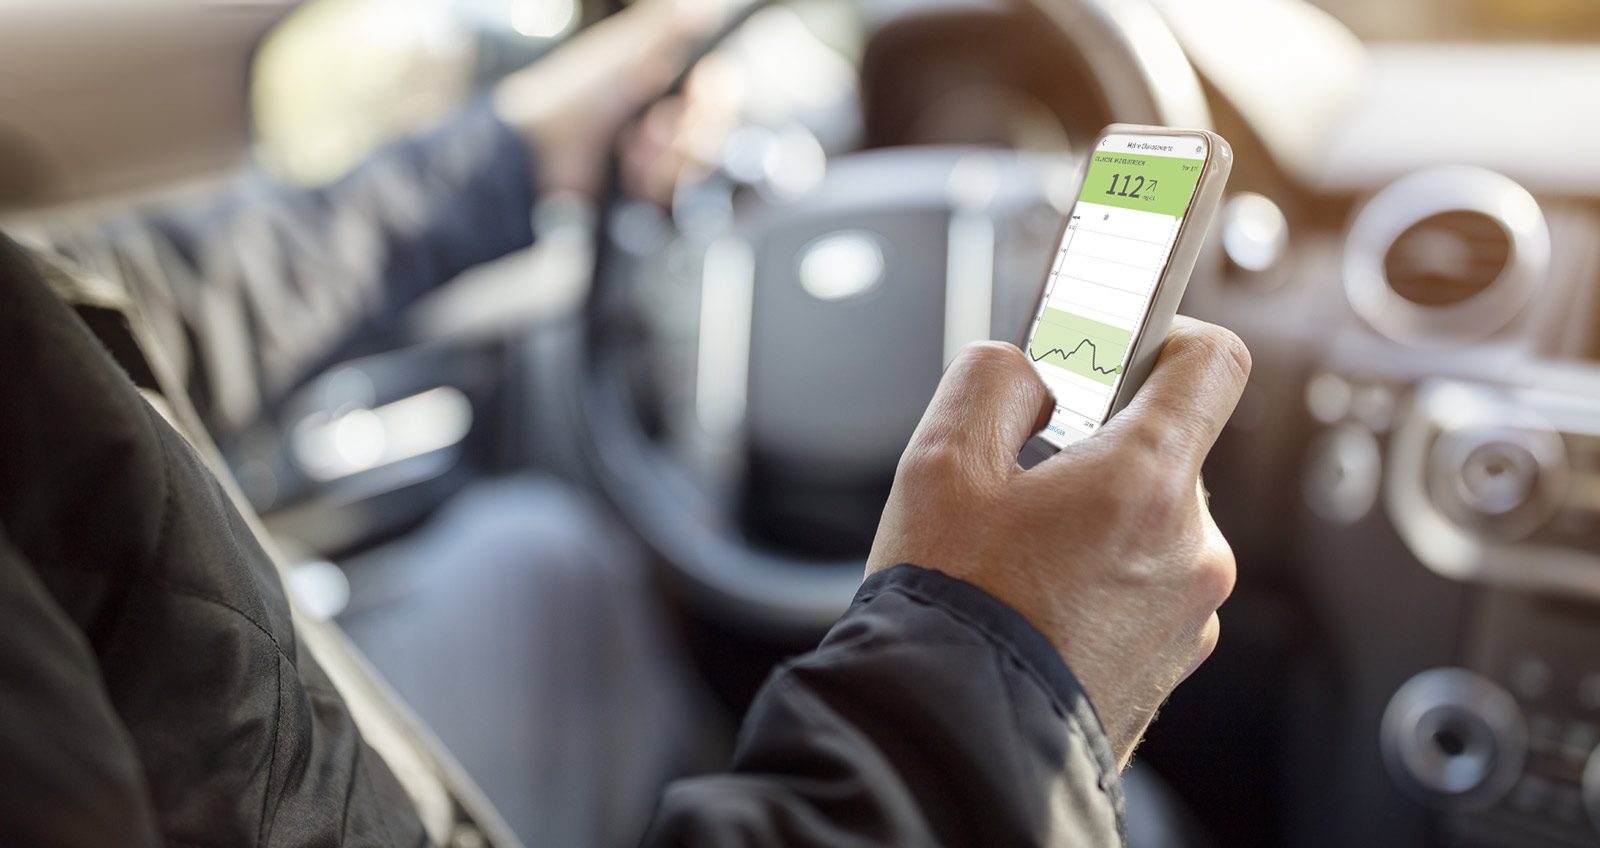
1120,267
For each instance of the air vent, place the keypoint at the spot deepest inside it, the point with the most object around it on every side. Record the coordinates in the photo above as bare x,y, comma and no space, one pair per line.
1447,258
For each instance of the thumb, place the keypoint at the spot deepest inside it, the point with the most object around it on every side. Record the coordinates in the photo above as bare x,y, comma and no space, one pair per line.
1183,406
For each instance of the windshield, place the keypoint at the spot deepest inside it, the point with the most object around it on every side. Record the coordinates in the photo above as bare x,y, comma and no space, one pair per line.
1469,20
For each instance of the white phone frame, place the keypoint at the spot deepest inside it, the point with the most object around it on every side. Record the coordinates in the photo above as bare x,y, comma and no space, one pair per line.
1151,334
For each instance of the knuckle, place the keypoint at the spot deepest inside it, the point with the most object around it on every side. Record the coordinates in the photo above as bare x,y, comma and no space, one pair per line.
1215,575
1223,348
987,355
1145,440
932,460
1157,445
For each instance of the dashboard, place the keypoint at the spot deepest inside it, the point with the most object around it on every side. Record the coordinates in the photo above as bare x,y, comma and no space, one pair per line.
1418,286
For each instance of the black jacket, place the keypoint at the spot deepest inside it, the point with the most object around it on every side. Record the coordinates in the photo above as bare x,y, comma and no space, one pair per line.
154,689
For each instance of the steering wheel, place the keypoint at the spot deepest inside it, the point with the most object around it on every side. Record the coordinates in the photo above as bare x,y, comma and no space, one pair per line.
824,320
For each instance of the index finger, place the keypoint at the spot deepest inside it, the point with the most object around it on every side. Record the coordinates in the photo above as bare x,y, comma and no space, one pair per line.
1182,407
988,403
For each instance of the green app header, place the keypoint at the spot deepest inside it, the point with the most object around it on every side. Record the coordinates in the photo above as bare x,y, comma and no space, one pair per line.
1160,184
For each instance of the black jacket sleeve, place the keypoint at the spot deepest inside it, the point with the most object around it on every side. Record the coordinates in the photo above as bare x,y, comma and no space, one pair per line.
932,714
251,289
70,774
151,675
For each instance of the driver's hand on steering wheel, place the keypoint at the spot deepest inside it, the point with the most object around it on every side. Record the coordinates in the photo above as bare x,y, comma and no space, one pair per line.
571,105
1108,548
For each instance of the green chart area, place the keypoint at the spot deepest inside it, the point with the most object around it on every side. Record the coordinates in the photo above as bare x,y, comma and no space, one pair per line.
1084,346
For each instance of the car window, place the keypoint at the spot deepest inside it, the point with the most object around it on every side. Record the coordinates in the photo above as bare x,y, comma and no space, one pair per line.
338,78
1469,20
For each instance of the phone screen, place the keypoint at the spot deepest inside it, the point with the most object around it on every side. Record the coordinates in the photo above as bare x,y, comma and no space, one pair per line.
1117,242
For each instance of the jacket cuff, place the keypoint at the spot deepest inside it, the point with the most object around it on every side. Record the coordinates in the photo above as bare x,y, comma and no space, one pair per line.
1010,633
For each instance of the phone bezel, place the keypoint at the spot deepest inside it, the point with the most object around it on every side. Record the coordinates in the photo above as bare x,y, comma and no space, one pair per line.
1213,174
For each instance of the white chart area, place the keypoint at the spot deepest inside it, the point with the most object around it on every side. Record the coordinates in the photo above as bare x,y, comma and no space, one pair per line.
1106,269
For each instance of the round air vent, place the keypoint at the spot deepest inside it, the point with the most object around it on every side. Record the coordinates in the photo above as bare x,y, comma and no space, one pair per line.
1446,256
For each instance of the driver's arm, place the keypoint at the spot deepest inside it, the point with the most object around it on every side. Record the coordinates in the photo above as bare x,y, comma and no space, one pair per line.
251,289
990,696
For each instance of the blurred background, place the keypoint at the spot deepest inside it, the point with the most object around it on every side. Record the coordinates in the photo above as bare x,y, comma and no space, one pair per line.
724,363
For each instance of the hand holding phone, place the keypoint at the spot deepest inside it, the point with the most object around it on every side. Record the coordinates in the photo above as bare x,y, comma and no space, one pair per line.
1113,556
1148,197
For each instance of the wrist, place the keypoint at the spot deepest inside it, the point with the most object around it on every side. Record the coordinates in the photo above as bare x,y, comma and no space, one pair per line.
517,106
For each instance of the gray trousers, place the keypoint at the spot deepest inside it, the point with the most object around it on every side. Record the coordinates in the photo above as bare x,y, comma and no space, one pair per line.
523,629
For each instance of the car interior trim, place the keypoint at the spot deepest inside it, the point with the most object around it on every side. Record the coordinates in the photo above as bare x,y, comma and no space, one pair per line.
1419,196
1443,409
